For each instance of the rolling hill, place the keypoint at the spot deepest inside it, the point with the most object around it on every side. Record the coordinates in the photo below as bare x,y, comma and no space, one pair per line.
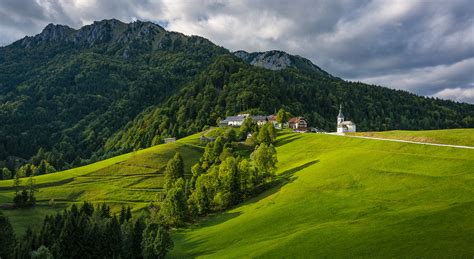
460,137
133,179
77,96
346,197
337,197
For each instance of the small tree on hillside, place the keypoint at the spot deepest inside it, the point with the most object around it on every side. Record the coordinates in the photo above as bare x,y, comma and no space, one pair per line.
5,174
174,170
264,158
32,189
174,207
266,134
282,116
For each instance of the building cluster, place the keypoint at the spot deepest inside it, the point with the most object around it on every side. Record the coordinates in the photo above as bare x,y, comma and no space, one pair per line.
298,124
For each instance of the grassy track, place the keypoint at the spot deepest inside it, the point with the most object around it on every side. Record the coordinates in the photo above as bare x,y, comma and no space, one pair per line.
461,137
347,197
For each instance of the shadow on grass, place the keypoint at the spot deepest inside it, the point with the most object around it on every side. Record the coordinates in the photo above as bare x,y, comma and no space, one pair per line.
41,185
287,139
216,219
281,180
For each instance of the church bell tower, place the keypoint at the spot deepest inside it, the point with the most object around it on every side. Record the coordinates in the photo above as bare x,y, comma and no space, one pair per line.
340,116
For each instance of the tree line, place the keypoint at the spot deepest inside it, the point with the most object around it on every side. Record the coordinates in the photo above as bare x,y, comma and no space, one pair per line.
223,177
88,232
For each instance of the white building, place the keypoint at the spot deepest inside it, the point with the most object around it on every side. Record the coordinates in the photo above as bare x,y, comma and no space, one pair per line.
342,125
237,121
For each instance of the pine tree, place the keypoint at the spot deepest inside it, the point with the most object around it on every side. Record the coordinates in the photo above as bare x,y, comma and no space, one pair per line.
42,253
156,241
7,237
114,237
138,229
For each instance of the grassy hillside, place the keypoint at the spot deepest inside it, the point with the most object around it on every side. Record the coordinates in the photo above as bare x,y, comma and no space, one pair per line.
338,197
346,197
462,137
132,179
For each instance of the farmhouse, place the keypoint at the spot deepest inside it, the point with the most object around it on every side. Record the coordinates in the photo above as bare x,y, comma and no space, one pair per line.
342,125
170,140
237,121
298,124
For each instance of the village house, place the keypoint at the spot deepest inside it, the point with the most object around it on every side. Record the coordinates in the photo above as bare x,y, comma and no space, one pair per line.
298,124
169,140
342,125
237,121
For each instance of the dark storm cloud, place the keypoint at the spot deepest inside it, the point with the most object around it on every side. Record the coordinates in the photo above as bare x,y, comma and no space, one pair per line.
426,47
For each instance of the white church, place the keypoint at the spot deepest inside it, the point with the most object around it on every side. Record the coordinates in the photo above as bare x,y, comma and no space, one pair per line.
342,125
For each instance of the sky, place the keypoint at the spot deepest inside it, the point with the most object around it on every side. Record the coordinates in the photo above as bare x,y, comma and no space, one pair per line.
422,46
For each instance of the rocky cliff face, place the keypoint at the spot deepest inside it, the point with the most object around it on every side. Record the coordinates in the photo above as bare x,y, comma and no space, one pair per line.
277,60
137,35
273,60
116,37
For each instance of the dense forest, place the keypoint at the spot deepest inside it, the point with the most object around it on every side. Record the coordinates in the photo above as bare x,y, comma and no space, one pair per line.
70,97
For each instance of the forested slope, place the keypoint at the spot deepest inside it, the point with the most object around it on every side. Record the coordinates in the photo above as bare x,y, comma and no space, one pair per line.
71,97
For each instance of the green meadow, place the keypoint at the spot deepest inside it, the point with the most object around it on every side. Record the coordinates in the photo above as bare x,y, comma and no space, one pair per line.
336,197
346,197
133,179
461,137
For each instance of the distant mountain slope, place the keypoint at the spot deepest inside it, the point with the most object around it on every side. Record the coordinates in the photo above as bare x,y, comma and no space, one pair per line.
73,96
277,60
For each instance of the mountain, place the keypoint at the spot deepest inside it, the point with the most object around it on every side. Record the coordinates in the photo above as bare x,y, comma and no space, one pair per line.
75,96
278,60
66,91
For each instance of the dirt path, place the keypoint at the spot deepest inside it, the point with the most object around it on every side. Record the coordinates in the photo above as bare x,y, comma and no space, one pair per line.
412,142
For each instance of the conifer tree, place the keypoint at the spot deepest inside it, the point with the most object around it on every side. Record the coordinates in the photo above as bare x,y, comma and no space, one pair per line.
7,237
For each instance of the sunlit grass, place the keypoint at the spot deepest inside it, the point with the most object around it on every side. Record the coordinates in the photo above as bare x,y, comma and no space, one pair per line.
349,198
461,137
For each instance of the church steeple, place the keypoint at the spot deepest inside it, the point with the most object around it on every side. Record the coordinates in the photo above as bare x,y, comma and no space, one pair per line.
340,116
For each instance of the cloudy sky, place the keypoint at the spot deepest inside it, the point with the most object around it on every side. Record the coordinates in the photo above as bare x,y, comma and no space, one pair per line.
423,46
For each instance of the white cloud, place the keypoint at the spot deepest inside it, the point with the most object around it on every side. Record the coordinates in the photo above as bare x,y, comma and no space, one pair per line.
457,94
428,80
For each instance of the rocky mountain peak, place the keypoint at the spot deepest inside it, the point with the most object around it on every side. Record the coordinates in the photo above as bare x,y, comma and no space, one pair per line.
278,60
51,33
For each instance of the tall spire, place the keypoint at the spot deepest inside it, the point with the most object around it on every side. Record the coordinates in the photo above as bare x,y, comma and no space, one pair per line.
340,115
